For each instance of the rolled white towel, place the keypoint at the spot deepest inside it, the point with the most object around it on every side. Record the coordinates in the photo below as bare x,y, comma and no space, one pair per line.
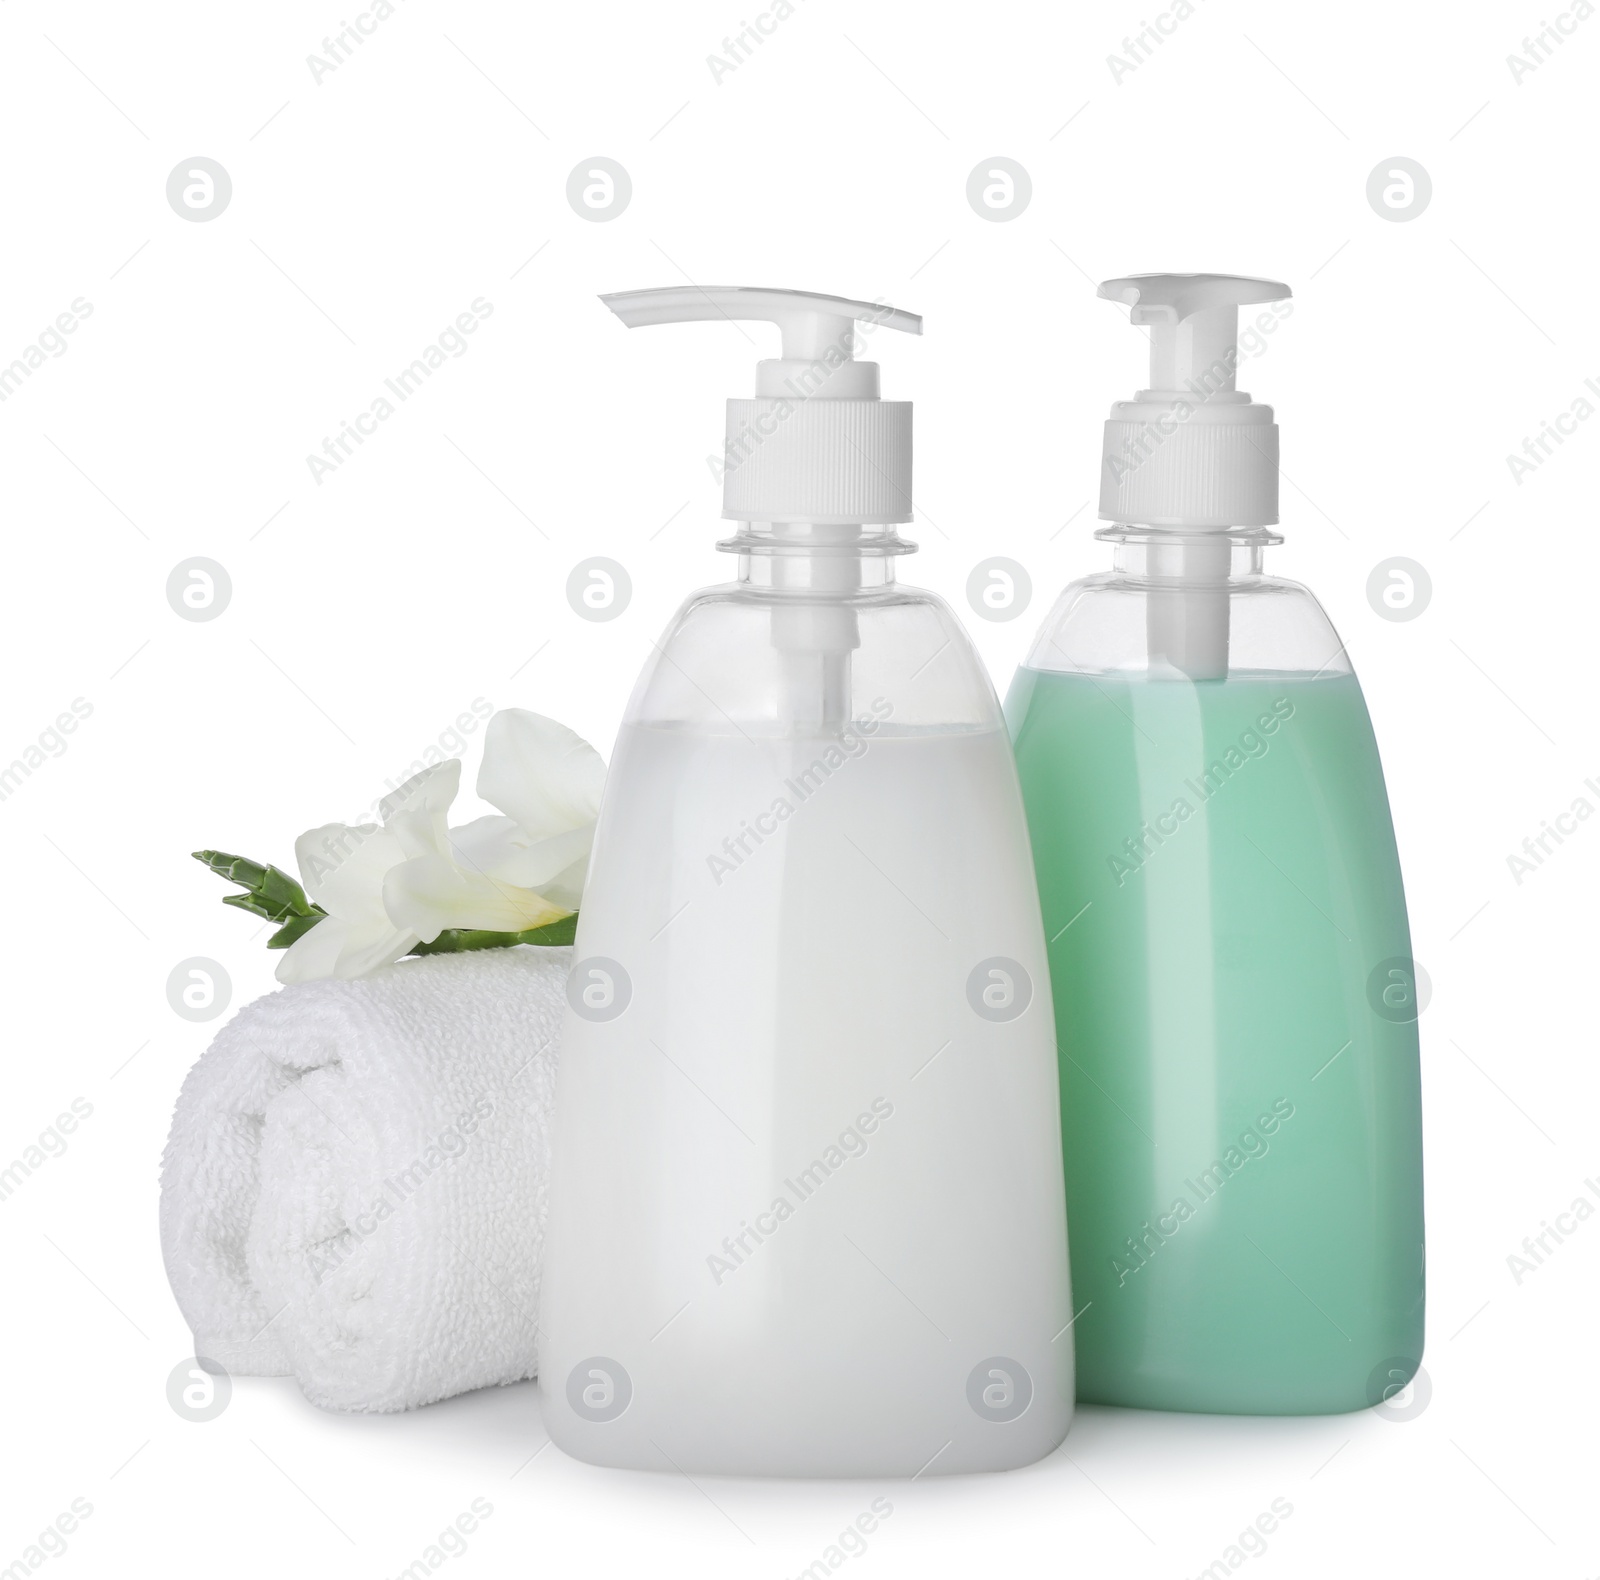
353,1191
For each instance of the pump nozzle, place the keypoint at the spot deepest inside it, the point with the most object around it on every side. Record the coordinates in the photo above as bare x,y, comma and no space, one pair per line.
1191,456
1194,324
816,330
1191,450
816,445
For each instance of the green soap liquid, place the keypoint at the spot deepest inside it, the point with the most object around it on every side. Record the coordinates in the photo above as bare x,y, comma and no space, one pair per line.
1242,1127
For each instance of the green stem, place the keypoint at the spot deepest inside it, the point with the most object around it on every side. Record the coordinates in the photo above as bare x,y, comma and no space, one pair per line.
457,940
272,894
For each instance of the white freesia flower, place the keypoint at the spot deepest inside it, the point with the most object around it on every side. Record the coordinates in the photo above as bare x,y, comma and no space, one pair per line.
387,889
344,869
547,781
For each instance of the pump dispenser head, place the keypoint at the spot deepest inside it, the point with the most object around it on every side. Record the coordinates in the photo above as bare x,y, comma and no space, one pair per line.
1192,450
816,444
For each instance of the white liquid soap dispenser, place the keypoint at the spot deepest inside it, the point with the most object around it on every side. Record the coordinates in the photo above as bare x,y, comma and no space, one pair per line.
806,1212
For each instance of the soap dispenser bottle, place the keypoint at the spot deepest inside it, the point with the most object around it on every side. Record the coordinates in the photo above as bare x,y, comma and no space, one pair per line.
806,1214
1234,991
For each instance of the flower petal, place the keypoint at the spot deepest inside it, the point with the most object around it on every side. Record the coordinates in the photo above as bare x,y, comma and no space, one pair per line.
430,893
335,948
370,951
486,844
539,863
566,887
539,772
497,848
415,813
342,868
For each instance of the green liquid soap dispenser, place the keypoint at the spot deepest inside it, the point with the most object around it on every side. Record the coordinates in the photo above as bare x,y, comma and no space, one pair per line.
1235,996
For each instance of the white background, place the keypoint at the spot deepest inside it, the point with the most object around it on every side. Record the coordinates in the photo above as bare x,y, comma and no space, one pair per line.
367,611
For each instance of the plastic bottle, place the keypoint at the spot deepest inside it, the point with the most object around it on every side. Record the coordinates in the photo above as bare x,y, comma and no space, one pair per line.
1234,990
806,1215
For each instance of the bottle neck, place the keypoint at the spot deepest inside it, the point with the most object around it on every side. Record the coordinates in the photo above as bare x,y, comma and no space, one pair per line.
813,557
1187,577
1215,557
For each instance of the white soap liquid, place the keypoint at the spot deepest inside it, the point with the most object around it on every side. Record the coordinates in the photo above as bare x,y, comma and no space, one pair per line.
808,1201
